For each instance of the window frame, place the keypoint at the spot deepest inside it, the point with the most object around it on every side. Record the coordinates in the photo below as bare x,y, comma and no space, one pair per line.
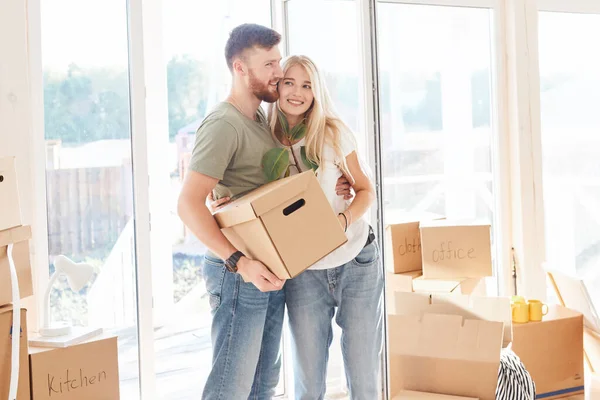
500,140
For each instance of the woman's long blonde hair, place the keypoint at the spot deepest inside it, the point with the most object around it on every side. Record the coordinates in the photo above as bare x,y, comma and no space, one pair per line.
323,125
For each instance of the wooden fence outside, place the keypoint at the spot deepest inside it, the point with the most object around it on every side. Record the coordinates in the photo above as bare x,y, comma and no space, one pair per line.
88,209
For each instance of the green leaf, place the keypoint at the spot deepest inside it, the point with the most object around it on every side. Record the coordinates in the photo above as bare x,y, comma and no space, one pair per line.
298,132
287,171
283,121
274,163
305,159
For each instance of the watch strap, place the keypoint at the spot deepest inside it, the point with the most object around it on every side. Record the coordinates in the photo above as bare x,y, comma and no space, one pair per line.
231,262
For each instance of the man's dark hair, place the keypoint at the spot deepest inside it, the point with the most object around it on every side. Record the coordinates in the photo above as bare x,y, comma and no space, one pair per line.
247,36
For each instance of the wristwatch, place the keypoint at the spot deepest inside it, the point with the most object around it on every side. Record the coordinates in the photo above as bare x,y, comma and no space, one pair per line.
231,262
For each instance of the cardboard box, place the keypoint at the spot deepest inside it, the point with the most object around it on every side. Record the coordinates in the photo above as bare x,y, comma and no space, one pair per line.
20,237
403,248
456,337
401,282
10,211
6,313
573,293
452,250
471,286
469,307
463,355
414,282
591,344
412,395
398,283
88,371
552,352
288,224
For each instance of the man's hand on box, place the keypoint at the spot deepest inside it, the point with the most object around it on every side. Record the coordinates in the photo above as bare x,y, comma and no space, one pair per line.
344,188
215,205
255,272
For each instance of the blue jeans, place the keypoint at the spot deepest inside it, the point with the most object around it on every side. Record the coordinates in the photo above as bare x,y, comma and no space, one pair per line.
356,290
246,335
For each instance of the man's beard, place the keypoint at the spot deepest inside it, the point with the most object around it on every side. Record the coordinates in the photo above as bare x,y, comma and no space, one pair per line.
262,90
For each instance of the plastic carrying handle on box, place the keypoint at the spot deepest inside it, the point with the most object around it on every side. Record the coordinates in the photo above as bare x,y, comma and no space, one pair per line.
16,327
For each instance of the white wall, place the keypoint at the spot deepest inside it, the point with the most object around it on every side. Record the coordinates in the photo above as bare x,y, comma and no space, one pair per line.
16,126
15,99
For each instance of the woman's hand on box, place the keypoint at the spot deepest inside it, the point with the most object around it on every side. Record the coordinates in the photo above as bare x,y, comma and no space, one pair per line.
344,188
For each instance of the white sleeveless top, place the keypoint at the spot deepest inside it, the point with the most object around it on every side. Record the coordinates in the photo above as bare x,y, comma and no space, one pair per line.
327,174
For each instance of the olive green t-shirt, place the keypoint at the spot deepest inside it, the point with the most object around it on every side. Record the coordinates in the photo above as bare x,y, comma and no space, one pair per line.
229,147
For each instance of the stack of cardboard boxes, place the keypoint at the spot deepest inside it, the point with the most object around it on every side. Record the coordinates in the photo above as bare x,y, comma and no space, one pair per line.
84,371
444,335
437,256
12,232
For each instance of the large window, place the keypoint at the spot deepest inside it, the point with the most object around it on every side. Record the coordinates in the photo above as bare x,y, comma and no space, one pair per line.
570,100
327,32
89,168
89,174
436,111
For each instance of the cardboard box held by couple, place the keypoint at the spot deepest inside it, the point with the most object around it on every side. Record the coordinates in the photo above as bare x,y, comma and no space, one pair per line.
288,224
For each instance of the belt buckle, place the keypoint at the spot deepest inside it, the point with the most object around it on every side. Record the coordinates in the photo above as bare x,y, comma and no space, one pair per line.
370,237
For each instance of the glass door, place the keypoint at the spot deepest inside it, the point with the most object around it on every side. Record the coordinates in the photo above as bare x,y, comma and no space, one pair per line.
89,176
435,80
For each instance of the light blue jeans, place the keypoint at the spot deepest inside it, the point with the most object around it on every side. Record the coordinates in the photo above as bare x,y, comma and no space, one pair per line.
312,297
246,336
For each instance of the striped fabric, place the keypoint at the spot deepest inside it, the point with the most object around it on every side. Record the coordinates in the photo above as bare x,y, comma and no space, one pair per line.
514,382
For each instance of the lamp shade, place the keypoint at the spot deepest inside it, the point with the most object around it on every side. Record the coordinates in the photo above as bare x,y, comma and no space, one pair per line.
78,274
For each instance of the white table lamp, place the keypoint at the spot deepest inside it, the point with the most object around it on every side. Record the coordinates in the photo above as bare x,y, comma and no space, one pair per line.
60,334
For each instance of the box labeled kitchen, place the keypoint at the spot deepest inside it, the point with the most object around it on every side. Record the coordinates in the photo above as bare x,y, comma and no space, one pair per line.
89,370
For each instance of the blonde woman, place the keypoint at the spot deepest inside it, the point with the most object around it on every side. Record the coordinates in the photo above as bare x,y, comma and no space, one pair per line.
348,280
